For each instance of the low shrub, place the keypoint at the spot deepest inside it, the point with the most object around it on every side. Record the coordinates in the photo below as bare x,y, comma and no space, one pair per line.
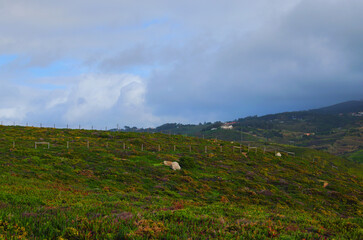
187,162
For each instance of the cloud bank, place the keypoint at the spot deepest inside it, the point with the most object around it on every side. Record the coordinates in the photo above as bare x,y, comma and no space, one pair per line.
144,64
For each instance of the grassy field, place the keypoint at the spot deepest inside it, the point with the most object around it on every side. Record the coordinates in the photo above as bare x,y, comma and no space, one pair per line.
357,156
109,185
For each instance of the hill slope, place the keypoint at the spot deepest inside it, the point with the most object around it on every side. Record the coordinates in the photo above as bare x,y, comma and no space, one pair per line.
335,129
344,108
108,185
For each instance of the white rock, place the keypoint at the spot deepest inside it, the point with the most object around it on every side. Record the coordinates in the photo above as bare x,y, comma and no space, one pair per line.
175,166
278,154
167,163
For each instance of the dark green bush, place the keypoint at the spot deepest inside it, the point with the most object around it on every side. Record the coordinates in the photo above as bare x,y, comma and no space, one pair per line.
187,162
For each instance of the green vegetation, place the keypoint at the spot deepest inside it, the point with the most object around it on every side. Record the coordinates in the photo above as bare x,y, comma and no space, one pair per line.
187,162
336,129
357,156
113,185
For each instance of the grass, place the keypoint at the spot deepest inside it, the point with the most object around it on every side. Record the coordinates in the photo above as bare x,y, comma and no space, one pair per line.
357,156
108,192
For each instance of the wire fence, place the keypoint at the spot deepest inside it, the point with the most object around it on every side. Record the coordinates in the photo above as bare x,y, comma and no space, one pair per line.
216,147
137,145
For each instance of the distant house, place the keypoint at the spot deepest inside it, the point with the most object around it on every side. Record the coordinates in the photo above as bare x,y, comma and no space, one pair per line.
227,126
358,114
309,134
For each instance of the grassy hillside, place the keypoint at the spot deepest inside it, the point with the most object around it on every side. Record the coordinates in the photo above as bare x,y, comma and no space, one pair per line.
357,156
333,129
111,185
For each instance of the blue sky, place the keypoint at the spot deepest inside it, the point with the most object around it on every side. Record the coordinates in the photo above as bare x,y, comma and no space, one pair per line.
147,63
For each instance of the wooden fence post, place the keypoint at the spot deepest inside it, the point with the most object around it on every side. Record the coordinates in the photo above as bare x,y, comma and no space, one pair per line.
67,144
36,143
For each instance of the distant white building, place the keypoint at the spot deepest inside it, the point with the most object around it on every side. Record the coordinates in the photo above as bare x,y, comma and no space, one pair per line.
358,114
227,127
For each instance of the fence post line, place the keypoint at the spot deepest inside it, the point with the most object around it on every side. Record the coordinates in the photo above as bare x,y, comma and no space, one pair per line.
48,145
159,148
174,148
67,144
142,147
124,146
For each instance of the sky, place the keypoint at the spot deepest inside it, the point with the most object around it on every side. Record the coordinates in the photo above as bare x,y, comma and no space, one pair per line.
145,63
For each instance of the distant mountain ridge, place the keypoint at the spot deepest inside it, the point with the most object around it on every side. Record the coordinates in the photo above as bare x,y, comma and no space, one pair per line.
344,107
337,129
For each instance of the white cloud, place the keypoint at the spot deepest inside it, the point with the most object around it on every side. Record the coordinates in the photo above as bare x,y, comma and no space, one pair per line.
96,93
11,113
92,99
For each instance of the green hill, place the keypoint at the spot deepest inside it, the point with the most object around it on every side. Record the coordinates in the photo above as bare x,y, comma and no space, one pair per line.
337,129
113,185
344,108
